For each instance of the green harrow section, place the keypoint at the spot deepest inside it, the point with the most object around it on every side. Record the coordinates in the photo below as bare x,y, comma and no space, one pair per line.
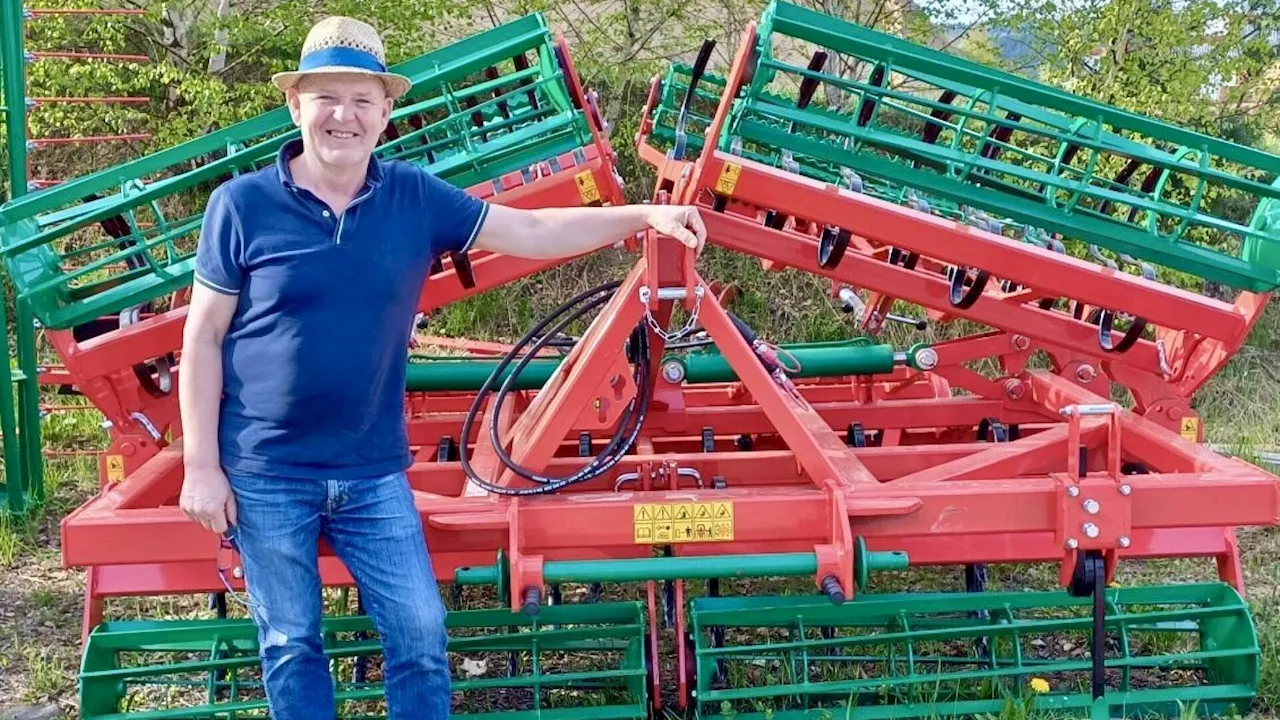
571,662
492,104
1168,649
933,130
701,108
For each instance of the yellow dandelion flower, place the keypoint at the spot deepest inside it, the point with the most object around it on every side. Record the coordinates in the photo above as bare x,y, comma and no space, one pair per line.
1039,685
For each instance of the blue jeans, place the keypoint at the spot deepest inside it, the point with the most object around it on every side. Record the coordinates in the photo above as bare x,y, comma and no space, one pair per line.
373,527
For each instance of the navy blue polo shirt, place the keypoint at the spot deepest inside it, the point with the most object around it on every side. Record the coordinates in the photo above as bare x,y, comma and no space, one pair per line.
314,360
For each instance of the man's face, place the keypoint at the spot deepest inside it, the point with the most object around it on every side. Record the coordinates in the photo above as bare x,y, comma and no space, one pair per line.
341,116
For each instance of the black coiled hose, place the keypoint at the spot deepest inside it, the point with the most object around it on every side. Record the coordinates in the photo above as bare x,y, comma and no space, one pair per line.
629,425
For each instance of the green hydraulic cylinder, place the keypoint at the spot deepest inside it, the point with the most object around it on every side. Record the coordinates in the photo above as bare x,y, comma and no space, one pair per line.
834,359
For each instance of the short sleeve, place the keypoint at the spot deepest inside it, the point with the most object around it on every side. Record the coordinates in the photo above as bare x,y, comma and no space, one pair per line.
455,216
220,249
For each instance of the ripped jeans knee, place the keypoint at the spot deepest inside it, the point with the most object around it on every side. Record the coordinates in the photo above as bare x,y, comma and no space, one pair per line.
276,534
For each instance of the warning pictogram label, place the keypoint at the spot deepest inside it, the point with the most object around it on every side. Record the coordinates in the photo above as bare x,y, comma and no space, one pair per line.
644,533
728,180
662,523
587,187
115,468
1191,428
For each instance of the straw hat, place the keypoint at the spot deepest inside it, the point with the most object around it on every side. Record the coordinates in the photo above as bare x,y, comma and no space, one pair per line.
343,45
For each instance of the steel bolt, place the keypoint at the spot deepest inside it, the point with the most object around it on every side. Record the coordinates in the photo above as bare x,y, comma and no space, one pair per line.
1021,342
1085,373
1125,489
1072,543
673,372
1124,541
1091,506
1015,389
1091,530
237,572
1073,491
926,358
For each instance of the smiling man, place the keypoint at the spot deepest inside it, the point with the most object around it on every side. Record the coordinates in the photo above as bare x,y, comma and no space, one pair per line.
293,366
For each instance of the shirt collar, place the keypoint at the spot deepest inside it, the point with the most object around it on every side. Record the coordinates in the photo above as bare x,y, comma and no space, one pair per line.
293,148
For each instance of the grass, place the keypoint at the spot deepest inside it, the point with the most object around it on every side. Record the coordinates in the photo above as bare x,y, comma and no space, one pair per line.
40,602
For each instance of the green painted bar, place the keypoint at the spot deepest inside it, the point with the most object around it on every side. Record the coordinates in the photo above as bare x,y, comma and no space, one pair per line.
816,360
14,68
677,568
664,568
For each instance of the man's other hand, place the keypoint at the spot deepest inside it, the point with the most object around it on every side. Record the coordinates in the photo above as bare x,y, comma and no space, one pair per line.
207,498
681,222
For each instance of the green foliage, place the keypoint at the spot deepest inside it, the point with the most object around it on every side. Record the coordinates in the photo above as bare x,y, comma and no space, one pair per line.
1204,64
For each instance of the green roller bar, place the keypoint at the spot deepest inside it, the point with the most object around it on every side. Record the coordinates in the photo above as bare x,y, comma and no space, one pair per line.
682,568
436,374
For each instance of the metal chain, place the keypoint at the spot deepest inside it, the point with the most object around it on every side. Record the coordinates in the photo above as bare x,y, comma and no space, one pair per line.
698,292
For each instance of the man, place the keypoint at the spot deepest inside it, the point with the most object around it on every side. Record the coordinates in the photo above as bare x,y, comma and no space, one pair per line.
293,362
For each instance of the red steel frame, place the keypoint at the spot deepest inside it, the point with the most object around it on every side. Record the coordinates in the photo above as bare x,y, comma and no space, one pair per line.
926,487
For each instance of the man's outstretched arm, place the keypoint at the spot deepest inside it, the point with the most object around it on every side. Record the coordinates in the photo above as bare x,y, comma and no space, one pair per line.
568,232
206,495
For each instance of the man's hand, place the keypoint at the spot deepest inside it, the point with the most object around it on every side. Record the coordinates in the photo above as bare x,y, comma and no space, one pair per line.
207,498
681,222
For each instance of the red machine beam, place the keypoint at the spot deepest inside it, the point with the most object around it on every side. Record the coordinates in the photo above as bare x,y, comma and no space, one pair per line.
43,55
89,100
1050,274
794,250
85,11
100,535
41,142
750,419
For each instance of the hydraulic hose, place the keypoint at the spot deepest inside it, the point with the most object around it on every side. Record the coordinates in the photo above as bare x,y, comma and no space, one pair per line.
629,424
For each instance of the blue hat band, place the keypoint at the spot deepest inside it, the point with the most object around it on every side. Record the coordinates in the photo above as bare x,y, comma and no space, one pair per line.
341,56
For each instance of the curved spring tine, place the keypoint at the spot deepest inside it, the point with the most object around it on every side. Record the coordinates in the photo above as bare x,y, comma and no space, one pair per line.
1143,266
695,75
1096,254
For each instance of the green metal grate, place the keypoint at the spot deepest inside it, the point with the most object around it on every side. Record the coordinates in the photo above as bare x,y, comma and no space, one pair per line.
926,655
571,662
914,125
495,103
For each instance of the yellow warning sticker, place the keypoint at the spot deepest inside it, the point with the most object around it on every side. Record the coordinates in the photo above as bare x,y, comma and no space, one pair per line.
662,523
1191,428
728,180
587,189
115,468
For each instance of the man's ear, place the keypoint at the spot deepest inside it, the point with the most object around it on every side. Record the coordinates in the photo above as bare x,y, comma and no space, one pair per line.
295,105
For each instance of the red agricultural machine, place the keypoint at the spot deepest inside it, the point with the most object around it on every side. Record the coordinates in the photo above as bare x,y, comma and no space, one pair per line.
719,503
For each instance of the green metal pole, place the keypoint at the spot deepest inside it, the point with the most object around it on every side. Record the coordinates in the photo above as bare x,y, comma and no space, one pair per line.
15,97
29,430
815,360
13,486
14,82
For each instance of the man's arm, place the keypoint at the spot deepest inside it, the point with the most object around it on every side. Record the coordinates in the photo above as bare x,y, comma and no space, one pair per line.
568,232
206,495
